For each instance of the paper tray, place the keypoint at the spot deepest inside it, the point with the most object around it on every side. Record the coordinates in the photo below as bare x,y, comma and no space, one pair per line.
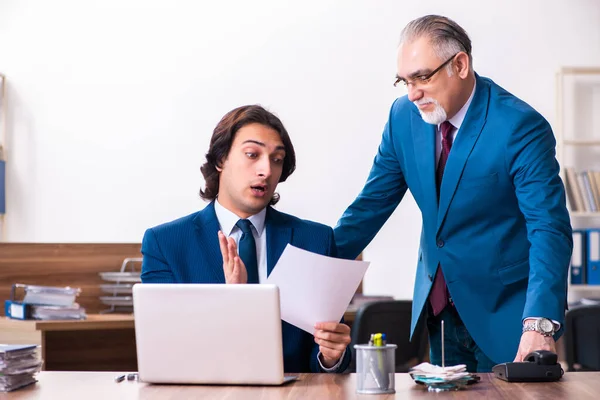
117,300
121,276
117,288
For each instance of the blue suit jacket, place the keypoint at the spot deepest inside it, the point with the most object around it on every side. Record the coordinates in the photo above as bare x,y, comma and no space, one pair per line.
501,231
187,251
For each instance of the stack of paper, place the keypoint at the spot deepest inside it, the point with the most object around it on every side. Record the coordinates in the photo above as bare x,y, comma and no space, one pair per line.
43,302
57,312
18,366
455,376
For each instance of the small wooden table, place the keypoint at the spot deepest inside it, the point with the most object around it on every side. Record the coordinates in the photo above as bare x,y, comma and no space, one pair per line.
102,342
101,385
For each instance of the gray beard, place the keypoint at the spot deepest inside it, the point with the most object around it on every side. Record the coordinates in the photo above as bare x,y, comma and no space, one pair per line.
435,117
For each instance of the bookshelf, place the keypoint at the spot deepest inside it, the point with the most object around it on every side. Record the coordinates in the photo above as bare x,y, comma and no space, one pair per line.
578,152
581,142
2,157
584,214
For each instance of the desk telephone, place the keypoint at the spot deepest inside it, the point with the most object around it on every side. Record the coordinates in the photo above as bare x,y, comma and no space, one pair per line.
539,366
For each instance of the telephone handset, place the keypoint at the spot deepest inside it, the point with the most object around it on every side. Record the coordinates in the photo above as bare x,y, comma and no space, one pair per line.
538,366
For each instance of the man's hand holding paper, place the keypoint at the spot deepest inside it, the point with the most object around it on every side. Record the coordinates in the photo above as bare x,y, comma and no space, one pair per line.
332,338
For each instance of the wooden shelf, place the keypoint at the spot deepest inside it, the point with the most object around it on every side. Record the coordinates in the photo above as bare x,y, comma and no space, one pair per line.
581,142
580,70
586,287
581,214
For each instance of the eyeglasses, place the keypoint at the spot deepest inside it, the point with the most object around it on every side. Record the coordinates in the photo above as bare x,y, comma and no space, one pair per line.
422,79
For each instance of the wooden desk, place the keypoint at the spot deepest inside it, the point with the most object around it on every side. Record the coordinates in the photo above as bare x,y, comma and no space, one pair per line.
102,342
101,385
99,343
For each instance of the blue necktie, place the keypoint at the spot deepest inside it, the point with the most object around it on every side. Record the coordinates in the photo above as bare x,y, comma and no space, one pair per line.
247,250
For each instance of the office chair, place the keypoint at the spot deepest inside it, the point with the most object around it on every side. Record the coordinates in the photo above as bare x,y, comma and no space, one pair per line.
392,318
582,338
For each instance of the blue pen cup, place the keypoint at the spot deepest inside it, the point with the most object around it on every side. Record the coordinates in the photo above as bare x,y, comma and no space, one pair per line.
375,368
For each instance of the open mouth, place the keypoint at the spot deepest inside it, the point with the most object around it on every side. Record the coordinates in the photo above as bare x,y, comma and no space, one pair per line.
259,190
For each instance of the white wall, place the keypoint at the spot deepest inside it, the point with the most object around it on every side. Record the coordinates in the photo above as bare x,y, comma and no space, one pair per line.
112,102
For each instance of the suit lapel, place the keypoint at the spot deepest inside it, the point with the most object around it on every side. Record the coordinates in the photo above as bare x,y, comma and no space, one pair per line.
278,236
463,146
207,227
424,142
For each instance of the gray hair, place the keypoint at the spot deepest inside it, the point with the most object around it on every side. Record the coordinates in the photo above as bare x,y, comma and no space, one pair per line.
446,36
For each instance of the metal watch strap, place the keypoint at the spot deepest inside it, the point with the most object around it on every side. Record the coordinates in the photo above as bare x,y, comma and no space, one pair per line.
529,326
532,325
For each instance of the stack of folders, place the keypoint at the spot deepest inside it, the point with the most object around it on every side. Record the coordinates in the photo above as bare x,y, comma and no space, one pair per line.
43,303
18,366
585,261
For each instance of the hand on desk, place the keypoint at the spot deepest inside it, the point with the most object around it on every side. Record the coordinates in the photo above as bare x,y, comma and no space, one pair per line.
332,338
532,341
233,266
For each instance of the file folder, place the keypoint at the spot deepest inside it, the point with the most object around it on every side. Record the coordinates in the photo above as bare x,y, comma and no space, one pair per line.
578,258
593,259
16,310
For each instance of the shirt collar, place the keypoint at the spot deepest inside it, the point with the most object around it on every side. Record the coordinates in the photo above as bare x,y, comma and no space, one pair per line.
228,219
458,119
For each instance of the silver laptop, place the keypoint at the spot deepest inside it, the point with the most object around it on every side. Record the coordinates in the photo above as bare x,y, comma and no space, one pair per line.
208,334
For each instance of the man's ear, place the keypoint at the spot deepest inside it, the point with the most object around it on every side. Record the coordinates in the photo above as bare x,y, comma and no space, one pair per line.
462,64
219,166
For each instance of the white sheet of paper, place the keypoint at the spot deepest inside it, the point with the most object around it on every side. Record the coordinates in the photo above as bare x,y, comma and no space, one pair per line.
314,288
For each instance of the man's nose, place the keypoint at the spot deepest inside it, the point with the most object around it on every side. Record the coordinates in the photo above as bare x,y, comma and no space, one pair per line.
264,167
414,93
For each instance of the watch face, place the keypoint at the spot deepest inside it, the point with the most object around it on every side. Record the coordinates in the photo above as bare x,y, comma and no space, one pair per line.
546,325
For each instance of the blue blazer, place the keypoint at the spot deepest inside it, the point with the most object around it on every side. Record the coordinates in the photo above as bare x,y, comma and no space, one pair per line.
187,251
501,231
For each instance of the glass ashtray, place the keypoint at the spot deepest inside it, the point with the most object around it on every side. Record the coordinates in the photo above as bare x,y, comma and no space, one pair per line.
443,385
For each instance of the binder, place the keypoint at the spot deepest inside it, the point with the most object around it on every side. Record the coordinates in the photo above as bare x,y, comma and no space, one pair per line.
578,270
17,310
43,303
593,258
588,192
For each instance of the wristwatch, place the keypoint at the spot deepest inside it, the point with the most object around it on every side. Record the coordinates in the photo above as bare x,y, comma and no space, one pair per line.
540,325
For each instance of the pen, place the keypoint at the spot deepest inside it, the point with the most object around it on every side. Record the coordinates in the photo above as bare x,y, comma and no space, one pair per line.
378,371
372,367
132,377
443,355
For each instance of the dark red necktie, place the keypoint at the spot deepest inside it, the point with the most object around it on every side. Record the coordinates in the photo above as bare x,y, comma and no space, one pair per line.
439,293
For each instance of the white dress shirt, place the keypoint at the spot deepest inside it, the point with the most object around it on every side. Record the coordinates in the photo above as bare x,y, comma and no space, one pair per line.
227,223
456,121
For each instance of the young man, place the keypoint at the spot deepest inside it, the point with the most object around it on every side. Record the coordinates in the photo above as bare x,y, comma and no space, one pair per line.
250,153
496,238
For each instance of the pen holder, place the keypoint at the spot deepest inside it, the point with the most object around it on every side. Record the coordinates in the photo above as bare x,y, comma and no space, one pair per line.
375,368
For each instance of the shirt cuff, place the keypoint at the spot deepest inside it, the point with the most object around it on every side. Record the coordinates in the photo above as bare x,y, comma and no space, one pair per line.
335,367
556,323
